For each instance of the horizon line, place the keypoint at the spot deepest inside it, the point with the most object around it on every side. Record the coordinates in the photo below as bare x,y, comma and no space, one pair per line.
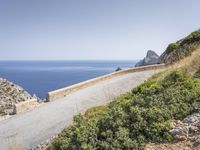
70,60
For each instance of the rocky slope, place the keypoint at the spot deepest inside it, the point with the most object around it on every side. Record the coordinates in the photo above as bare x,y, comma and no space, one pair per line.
150,59
180,49
11,94
186,135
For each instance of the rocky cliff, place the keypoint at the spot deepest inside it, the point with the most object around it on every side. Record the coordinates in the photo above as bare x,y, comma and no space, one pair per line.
180,49
150,59
11,94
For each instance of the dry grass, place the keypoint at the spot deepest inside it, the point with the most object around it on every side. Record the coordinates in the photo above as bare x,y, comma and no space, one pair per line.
189,64
95,111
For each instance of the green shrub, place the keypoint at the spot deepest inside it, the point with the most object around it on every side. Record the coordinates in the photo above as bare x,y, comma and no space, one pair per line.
171,47
197,74
193,37
141,116
182,48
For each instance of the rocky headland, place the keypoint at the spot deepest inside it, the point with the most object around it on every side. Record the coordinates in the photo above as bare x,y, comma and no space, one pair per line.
150,59
11,94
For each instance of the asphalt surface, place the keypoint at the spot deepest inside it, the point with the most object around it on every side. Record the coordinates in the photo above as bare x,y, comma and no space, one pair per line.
34,127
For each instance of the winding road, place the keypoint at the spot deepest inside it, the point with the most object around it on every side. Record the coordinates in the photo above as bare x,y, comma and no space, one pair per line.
34,127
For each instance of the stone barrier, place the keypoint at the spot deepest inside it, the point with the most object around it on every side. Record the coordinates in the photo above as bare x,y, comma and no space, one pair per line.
60,93
25,106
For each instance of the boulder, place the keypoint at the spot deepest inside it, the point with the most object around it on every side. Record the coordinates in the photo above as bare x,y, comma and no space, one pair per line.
118,69
192,118
180,133
150,59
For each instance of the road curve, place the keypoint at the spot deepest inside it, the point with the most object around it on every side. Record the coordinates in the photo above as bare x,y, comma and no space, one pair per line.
34,127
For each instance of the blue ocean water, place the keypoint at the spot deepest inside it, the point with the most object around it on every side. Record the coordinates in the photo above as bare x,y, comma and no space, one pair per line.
40,77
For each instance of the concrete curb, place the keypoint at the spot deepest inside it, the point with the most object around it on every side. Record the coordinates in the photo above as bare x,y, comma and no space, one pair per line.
60,93
25,106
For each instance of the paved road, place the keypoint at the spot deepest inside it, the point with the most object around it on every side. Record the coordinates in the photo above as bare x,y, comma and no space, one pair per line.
32,128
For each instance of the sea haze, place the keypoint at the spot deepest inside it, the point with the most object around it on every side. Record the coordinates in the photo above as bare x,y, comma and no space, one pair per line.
40,77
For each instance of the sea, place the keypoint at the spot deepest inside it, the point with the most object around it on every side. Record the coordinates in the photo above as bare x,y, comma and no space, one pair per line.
41,77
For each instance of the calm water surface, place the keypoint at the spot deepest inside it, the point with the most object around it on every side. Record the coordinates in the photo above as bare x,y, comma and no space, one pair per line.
40,77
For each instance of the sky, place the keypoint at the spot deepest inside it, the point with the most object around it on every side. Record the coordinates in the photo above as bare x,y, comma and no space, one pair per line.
92,29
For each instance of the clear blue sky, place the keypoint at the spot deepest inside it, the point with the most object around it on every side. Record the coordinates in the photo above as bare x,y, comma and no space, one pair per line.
92,29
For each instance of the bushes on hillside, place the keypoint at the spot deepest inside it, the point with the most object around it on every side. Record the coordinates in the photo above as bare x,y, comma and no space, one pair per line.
182,48
171,47
135,118
193,37
188,44
197,73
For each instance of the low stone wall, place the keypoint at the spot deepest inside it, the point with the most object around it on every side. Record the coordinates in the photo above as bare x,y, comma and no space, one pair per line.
25,106
53,95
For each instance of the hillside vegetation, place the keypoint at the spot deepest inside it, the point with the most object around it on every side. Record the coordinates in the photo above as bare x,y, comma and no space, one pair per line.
146,113
182,48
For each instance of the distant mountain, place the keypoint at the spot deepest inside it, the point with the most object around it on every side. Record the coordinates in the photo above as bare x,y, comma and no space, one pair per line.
150,59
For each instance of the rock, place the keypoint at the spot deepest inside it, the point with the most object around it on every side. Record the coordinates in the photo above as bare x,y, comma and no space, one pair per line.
192,118
180,138
178,122
150,59
186,135
118,69
34,96
193,129
197,141
11,94
186,128
180,132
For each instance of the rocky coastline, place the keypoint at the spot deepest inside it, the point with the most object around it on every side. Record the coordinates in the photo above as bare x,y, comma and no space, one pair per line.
11,94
